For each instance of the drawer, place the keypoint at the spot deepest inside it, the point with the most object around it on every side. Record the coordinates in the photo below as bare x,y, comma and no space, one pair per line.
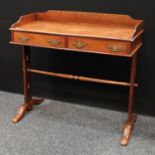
99,45
44,40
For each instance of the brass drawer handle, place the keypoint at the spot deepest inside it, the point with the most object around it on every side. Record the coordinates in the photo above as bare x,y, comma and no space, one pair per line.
114,48
54,42
79,44
23,39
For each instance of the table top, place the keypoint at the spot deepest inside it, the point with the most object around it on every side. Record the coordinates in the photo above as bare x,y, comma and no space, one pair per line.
98,25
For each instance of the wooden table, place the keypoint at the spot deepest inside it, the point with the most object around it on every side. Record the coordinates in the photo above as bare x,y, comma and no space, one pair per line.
104,34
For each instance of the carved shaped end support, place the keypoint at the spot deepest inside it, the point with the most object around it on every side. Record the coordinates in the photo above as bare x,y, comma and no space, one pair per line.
26,107
128,130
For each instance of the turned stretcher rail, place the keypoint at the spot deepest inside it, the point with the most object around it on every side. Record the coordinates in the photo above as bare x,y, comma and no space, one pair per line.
81,78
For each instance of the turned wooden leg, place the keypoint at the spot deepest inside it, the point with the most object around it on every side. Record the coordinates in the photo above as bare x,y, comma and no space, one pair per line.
131,117
28,101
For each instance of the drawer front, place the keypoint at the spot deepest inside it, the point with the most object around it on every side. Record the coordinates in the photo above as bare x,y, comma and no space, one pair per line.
99,45
39,39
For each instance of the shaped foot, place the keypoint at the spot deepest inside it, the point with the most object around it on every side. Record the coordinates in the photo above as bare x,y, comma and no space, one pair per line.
128,130
37,101
24,108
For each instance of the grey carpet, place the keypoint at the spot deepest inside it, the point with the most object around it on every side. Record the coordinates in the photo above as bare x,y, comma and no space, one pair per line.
57,128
